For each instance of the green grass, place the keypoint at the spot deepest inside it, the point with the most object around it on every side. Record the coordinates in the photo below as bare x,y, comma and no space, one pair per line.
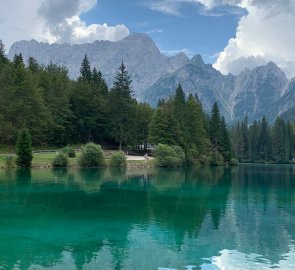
45,160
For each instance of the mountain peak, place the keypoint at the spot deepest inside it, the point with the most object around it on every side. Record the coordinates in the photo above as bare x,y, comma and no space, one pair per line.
197,60
138,37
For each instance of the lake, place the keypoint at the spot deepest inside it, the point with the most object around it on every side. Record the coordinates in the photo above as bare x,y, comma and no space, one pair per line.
202,218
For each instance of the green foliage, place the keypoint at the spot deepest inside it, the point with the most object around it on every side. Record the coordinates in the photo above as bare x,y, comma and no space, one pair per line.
122,109
118,159
217,159
169,156
69,151
85,70
234,162
163,127
24,149
260,142
144,114
60,160
92,156
9,162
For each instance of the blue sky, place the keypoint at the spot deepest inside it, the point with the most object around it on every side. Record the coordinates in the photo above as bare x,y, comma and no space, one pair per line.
231,34
189,30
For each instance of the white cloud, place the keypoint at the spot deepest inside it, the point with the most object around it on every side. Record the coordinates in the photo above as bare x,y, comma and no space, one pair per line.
172,7
264,34
53,21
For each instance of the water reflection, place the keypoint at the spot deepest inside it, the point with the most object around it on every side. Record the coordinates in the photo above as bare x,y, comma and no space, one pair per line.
112,219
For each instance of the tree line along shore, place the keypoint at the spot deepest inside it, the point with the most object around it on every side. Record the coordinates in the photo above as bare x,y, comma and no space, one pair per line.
55,110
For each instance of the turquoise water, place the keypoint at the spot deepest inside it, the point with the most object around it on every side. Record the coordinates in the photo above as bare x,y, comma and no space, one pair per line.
241,218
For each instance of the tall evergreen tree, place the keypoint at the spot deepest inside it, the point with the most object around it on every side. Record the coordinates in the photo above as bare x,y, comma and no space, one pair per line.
291,140
122,109
3,58
24,149
226,149
215,128
280,141
85,70
194,129
179,104
163,127
264,140
253,141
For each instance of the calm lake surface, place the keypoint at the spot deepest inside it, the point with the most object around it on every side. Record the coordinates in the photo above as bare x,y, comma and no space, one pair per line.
240,218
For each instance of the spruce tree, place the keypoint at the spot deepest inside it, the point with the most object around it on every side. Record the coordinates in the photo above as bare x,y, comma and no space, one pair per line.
3,58
18,60
179,104
264,140
122,111
226,149
85,70
215,127
194,129
24,149
245,140
163,128
253,141
280,151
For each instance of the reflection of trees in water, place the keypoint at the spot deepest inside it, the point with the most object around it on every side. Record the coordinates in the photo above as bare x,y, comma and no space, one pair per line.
194,194
86,210
263,197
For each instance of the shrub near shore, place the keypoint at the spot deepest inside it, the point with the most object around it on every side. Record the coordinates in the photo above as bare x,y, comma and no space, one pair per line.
92,156
118,159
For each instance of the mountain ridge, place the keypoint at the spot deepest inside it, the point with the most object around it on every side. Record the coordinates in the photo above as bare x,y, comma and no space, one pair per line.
253,93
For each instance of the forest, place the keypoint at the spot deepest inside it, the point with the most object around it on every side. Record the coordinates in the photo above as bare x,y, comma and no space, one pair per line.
59,111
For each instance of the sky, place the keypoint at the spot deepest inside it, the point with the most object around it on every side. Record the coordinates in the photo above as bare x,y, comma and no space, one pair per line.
230,34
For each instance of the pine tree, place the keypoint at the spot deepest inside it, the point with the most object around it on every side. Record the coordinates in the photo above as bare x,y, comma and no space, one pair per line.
18,60
194,129
179,104
280,144
226,149
291,140
163,127
99,82
3,58
55,83
264,140
27,108
253,141
245,140
33,65
24,149
85,70
215,128
122,109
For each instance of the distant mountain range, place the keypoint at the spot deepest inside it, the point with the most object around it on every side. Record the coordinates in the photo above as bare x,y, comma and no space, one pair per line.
264,90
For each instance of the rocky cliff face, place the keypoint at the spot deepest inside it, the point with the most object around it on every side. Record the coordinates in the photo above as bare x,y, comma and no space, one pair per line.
264,90
143,59
255,93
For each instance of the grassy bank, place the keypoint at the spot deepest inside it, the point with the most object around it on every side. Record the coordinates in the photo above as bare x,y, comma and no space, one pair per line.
44,160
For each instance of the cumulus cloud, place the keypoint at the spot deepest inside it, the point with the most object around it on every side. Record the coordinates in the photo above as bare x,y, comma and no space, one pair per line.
264,34
53,21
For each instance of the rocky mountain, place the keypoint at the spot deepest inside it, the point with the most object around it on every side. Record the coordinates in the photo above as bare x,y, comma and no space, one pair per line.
143,59
264,90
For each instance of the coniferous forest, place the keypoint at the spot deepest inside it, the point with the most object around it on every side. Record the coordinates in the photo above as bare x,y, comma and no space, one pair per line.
58,111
